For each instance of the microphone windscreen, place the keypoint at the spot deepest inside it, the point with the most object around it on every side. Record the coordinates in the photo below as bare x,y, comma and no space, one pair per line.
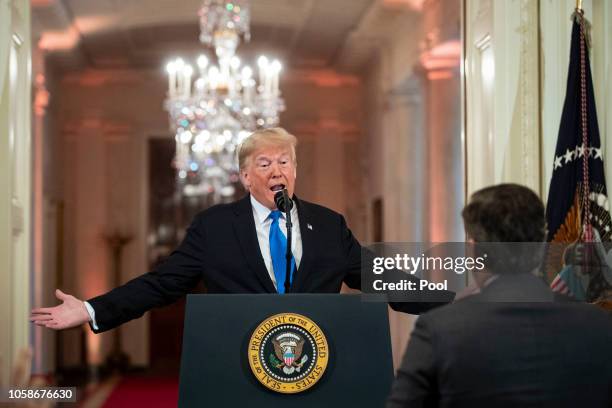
282,201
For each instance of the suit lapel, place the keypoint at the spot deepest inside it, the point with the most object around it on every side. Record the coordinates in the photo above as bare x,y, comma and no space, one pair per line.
244,227
308,246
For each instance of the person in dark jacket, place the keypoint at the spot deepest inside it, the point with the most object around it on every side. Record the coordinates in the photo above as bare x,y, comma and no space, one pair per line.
514,344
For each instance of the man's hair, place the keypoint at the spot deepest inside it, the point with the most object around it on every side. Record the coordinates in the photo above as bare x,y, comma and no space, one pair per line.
271,137
505,213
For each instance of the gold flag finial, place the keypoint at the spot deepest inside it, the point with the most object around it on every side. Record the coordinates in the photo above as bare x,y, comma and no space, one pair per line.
578,4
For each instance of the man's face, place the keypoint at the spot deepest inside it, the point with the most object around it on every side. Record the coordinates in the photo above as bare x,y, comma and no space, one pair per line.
269,170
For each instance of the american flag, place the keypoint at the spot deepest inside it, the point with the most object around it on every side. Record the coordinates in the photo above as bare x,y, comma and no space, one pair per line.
577,207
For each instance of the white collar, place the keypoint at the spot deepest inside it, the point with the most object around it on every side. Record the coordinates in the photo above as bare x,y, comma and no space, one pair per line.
262,212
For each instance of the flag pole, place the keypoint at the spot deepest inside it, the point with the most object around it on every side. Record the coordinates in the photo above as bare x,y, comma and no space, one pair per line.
579,5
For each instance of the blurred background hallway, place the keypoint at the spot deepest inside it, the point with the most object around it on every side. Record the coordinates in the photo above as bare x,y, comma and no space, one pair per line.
401,108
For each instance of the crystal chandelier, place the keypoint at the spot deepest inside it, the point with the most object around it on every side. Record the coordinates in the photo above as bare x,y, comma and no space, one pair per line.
213,112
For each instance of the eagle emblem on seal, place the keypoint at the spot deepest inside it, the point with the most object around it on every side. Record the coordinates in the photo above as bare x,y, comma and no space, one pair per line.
288,352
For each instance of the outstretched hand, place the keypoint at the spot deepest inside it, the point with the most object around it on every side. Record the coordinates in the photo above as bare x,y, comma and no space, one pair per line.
71,313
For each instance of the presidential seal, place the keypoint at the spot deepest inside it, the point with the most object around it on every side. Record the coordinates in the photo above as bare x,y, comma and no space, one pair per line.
288,353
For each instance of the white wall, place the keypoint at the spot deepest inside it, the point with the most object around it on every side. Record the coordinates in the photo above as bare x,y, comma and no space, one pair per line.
15,183
502,93
46,208
514,109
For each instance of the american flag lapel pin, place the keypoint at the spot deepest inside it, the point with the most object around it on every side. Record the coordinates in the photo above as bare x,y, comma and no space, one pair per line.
309,226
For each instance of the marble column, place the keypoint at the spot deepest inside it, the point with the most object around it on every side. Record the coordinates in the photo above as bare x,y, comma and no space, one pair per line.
445,189
405,194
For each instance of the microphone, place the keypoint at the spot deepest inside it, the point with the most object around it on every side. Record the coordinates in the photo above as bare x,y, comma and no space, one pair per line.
282,201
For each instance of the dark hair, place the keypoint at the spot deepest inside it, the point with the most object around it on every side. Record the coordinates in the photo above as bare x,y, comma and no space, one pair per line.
505,213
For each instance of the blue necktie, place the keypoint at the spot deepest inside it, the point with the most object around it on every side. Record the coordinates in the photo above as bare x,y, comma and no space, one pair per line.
278,249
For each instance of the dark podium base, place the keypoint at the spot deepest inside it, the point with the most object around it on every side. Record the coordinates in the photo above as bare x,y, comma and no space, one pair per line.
215,370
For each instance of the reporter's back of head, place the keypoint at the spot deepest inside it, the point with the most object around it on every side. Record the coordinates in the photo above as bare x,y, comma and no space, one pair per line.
505,213
507,224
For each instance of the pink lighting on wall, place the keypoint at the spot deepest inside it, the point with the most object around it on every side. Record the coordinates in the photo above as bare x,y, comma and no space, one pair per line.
95,279
445,56
341,128
41,3
41,98
324,78
99,78
437,75
59,40
91,24
94,352
415,5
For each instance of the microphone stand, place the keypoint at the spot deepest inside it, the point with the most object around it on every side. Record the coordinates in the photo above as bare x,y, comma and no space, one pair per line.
288,254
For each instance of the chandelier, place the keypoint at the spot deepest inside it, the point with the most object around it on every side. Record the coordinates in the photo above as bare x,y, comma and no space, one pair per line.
214,107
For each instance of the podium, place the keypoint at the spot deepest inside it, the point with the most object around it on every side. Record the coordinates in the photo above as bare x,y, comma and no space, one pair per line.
222,332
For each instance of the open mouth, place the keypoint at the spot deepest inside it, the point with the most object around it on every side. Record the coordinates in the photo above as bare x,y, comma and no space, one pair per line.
277,187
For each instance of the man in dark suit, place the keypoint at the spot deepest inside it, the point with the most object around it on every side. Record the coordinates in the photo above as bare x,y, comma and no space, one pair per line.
515,344
239,248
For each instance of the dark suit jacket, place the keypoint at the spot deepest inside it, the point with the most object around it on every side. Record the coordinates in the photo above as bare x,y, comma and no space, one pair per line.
221,248
514,345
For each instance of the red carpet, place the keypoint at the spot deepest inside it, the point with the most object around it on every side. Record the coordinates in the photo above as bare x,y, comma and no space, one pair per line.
151,392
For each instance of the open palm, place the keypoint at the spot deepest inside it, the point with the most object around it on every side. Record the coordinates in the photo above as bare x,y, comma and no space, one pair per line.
70,313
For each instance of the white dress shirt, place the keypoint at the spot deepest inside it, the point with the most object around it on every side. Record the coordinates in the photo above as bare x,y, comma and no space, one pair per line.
261,215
